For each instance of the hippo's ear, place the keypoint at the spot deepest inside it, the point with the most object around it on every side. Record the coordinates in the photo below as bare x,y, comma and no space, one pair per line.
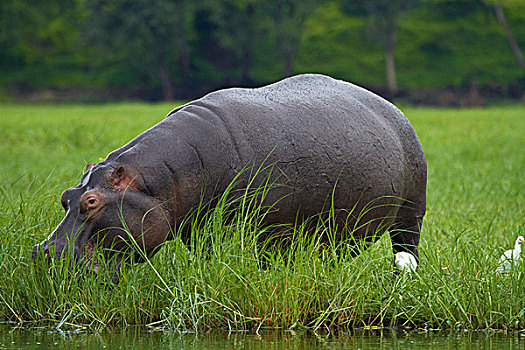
122,179
89,166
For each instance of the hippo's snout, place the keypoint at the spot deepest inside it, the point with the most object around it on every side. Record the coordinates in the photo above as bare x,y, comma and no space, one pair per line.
41,250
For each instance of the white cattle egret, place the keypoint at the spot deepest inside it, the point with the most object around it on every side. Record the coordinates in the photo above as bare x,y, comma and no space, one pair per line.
405,261
511,256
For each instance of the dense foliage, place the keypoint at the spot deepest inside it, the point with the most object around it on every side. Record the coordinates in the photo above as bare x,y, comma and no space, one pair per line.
181,49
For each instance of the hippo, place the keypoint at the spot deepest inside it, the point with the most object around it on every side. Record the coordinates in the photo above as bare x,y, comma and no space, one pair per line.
330,144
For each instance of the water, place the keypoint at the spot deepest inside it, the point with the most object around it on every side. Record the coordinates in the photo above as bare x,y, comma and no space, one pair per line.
139,338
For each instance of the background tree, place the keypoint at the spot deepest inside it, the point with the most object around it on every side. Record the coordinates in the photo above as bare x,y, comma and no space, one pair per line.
382,18
151,34
288,18
454,10
497,5
235,30
43,34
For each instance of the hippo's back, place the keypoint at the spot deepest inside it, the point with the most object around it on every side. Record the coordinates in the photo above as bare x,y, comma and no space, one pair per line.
319,133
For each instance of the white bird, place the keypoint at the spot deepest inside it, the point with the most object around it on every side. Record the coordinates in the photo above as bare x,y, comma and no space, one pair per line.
405,261
510,257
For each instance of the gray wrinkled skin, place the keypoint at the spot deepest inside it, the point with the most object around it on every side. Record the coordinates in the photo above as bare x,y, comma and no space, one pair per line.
315,130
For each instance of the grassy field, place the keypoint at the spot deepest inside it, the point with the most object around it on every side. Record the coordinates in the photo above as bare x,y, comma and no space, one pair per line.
476,198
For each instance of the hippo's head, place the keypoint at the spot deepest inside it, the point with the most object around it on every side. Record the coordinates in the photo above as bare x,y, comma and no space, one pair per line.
108,213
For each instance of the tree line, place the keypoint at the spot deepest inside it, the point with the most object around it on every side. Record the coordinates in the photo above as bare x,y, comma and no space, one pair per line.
179,49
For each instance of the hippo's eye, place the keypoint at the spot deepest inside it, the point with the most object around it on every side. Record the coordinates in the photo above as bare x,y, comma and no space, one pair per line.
90,201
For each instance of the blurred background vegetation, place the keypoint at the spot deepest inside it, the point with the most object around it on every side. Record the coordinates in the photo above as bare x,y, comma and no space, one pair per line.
437,52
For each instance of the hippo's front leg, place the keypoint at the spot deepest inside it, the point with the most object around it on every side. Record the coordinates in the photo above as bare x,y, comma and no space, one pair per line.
405,232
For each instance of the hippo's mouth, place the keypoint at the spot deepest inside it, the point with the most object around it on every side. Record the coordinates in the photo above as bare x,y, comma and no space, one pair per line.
100,260
91,257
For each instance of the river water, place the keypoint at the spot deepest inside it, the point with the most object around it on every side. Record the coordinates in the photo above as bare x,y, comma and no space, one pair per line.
139,338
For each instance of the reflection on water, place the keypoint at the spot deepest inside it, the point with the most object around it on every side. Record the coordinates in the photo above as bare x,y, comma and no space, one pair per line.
139,338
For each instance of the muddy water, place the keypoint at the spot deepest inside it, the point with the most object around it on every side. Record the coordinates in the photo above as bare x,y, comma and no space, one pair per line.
139,338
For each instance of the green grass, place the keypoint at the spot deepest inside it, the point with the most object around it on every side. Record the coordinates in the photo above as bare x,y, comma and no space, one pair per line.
476,196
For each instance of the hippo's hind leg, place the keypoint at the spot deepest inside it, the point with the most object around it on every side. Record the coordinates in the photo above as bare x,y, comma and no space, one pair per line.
406,229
